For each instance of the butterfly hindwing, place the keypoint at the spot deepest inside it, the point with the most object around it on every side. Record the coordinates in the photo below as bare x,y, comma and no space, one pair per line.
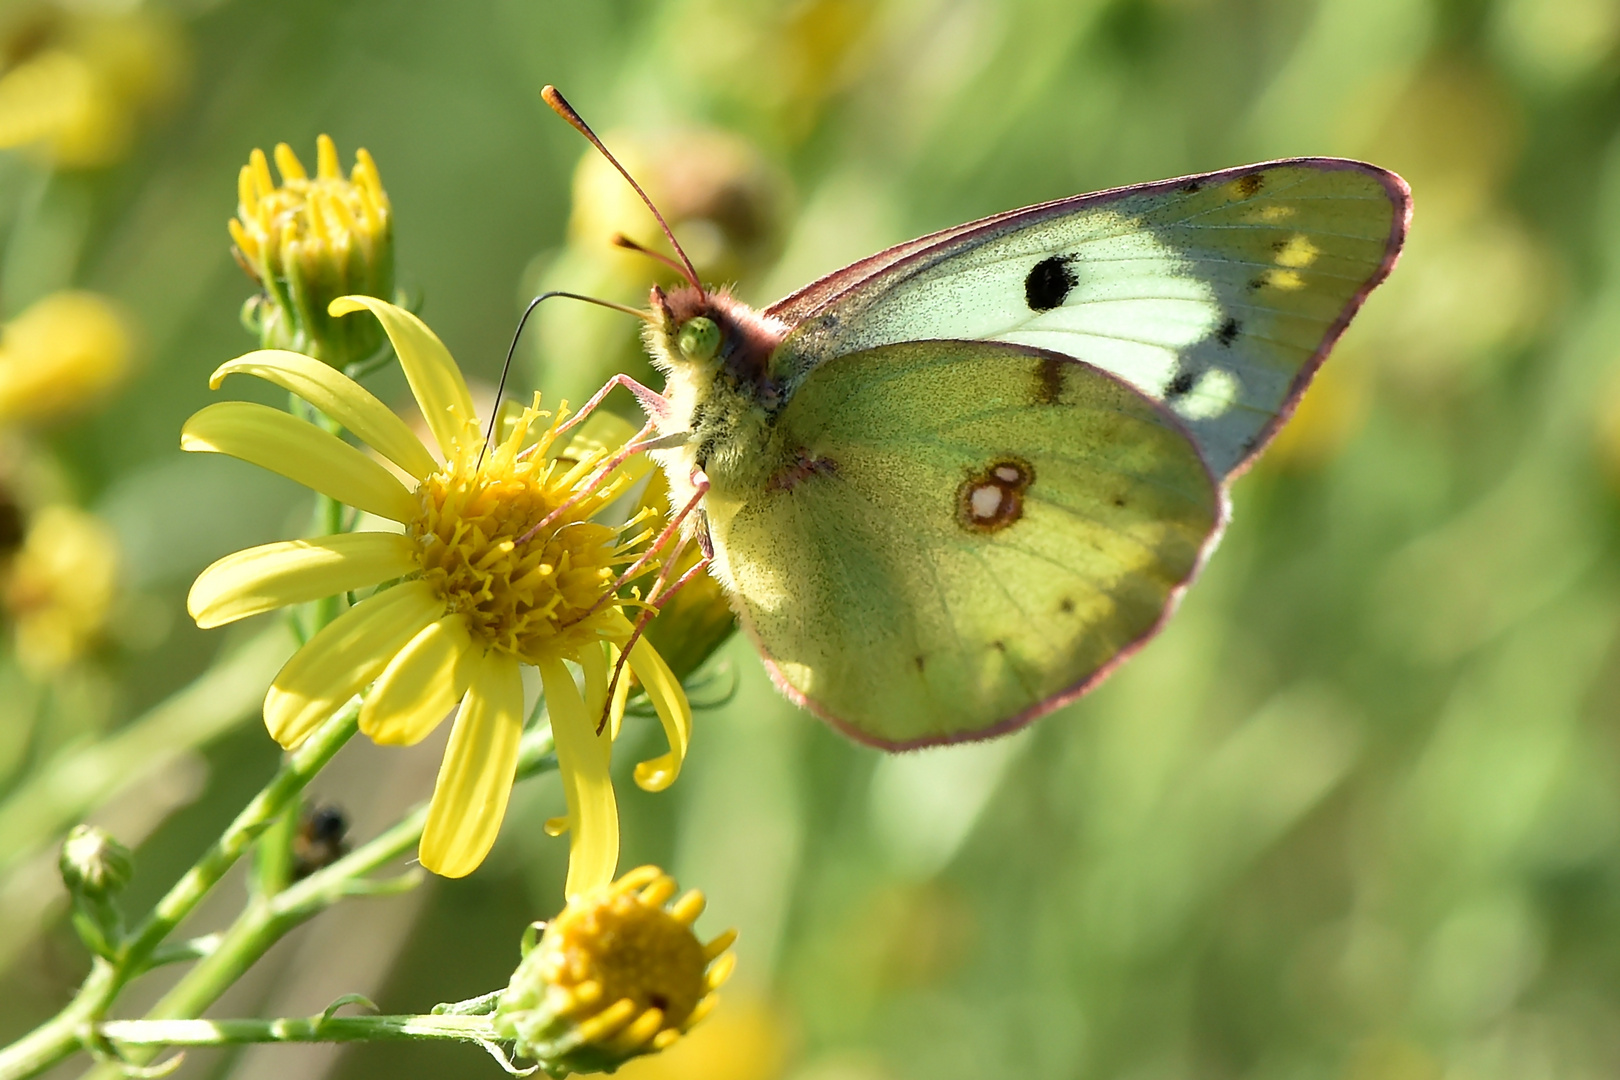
959,536
1217,294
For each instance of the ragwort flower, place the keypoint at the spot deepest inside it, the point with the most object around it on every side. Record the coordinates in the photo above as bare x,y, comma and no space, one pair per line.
59,586
617,974
61,355
474,595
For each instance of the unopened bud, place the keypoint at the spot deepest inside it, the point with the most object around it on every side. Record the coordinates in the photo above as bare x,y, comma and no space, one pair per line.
308,241
94,865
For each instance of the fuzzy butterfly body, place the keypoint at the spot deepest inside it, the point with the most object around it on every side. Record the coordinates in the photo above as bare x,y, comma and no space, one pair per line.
951,486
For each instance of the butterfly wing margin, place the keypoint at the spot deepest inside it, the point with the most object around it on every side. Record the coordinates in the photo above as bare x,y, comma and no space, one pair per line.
882,604
1221,293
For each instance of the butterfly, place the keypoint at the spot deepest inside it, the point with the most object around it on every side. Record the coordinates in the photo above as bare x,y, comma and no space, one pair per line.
952,486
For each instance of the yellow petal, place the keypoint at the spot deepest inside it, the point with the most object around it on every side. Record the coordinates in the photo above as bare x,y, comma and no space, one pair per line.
435,379
339,397
582,759
621,696
343,657
594,666
299,451
476,774
269,576
421,684
674,712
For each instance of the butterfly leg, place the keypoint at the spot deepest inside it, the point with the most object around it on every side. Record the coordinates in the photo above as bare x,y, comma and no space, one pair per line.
657,596
652,552
647,616
655,405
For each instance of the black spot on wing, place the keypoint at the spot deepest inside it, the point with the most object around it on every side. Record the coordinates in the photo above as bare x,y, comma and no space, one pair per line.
1049,283
1228,332
1181,384
1192,187
1249,186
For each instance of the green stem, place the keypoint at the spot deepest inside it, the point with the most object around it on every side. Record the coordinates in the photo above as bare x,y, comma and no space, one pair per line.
157,1033
296,771
61,1035
257,928
269,918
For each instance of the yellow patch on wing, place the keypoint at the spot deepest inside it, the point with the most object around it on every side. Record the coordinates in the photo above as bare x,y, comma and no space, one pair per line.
1272,213
1284,280
1297,252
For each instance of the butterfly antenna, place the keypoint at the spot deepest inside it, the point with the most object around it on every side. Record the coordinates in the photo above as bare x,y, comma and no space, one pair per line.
511,350
622,241
560,106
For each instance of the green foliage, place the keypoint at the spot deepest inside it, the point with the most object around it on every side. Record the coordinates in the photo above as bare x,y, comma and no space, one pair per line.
1356,814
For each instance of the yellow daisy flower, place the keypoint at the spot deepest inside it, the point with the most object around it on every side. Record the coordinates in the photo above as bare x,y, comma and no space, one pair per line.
476,595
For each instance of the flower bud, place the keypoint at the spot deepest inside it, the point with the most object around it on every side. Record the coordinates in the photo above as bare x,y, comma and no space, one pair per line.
93,864
308,241
616,975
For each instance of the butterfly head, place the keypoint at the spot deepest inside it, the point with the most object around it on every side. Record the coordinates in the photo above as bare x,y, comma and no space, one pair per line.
710,334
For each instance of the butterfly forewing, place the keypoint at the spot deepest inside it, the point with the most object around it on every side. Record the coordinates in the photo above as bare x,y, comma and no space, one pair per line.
960,536
1216,294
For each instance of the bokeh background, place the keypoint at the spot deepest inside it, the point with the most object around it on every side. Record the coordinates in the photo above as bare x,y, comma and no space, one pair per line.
1355,815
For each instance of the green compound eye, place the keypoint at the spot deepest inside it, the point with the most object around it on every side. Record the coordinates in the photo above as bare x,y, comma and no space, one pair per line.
699,339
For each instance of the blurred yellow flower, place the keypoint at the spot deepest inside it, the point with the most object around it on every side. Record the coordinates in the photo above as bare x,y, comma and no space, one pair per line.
614,976
722,198
724,201
59,587
62,354
308,241
500,564
76,82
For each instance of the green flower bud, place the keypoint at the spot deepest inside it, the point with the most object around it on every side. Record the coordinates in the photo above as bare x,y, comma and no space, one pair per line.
616,975
94,865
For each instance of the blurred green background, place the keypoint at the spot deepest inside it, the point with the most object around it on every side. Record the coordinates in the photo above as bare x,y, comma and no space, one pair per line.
1355,815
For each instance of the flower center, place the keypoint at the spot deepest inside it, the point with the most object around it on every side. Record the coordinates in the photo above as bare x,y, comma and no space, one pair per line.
630,949
531,596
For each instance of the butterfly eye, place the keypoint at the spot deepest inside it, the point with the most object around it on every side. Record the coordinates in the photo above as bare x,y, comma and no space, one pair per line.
699,339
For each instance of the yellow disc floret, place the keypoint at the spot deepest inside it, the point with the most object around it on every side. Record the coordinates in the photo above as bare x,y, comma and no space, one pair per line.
505,537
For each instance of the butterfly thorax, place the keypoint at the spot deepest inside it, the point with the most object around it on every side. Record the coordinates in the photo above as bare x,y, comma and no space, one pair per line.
715,353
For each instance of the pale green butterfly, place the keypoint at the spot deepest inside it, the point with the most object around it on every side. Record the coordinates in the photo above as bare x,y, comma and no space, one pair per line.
952,486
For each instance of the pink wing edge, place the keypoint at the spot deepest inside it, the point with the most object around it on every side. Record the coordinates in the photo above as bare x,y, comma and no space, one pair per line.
1223,513
825,290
